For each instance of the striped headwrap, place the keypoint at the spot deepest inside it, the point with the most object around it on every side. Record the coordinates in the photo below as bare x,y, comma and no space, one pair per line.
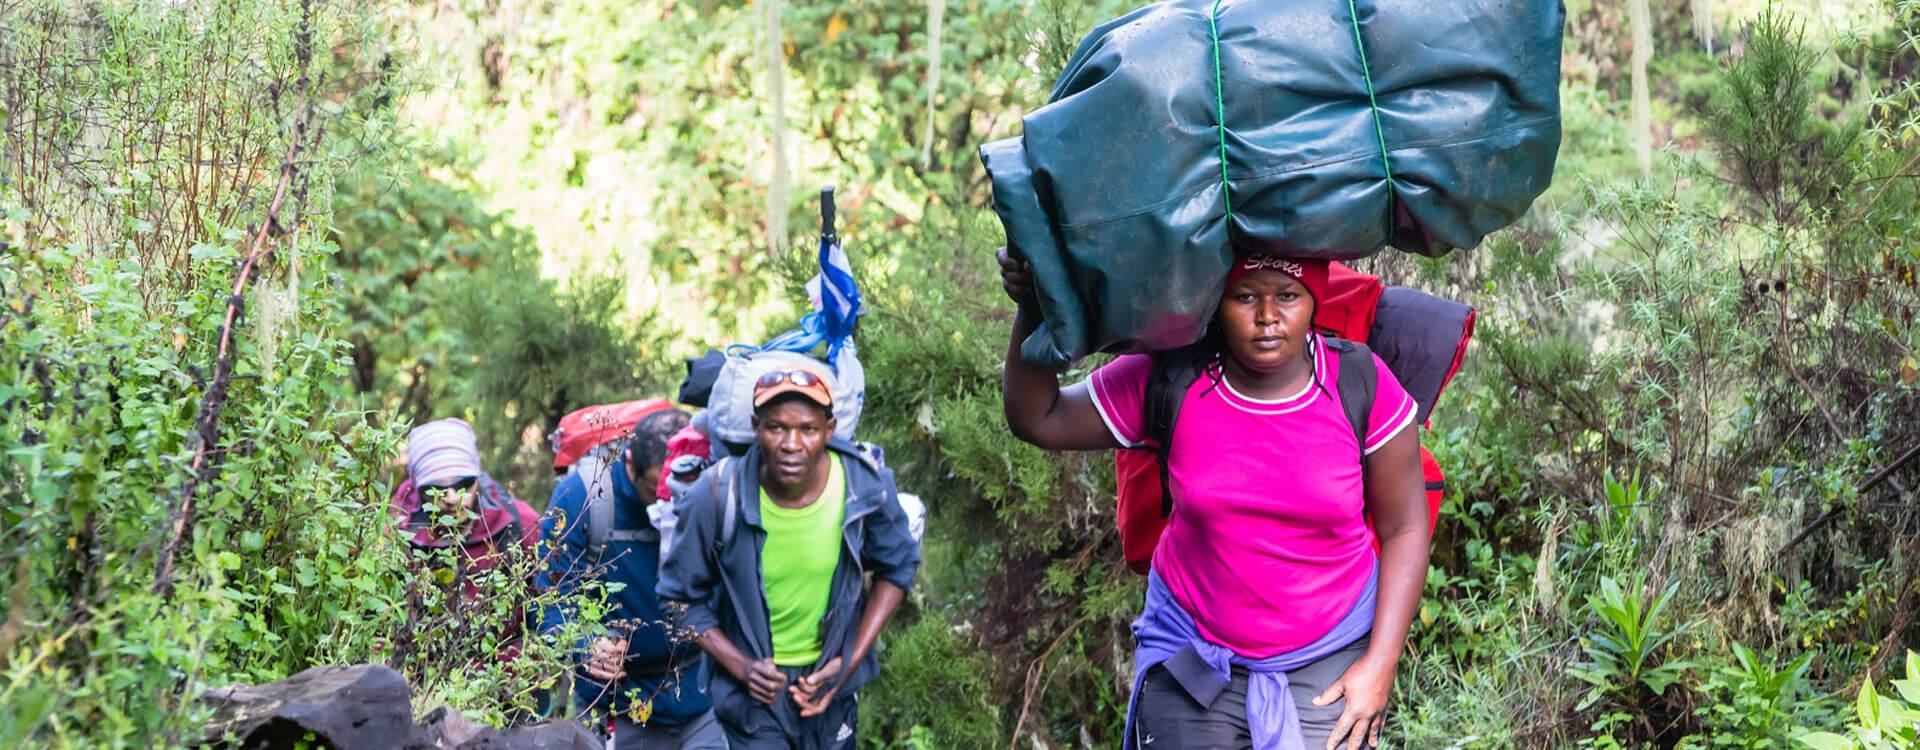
442,452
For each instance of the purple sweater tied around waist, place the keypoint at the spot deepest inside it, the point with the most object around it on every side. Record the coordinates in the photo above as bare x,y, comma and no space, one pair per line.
1167,636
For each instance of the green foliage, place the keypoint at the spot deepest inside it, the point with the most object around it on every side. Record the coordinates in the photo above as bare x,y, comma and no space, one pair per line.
1629,651
641,129
154,131
118,256
450,316
1616,535
1720,350
1764,120
459,634
142,161
287,564
1755,705
1880,722
933,693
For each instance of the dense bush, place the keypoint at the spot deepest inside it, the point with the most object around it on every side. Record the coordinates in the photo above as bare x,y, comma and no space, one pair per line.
1744,353
187,503
194,492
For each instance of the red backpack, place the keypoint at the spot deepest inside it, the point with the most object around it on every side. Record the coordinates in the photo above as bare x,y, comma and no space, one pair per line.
1421,338
587,428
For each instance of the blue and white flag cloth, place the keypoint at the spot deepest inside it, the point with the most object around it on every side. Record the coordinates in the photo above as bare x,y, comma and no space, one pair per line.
836,307
835,296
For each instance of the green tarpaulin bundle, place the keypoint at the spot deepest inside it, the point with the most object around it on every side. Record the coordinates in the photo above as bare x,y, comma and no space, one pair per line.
1189,130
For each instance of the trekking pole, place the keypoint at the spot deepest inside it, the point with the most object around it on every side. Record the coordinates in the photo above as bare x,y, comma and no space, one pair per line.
827,236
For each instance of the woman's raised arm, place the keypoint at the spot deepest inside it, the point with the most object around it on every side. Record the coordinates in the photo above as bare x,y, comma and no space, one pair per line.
1038,410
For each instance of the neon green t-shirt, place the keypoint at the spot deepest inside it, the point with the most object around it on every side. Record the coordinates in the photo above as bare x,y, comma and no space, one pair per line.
797,564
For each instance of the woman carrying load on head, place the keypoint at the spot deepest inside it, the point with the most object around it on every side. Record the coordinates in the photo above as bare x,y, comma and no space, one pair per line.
1270,621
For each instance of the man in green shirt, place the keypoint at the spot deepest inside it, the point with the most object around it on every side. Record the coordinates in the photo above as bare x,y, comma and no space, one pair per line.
804,541
768,571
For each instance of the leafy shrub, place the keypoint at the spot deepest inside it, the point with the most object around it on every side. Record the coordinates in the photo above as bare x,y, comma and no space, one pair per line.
1790,160
933,692
187,509
1628,656
1881,722
1755,704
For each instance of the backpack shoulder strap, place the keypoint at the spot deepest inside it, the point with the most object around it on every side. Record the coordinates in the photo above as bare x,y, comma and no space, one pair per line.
596,473
509,536
1358,383
724,492
1173,373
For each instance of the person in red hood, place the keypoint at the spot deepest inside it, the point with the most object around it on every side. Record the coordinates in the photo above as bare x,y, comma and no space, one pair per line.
448,501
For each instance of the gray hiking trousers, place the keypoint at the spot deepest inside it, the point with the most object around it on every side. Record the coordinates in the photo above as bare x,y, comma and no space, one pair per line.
1169,718
703,733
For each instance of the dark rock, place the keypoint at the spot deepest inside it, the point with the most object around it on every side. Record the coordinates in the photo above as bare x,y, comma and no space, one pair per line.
445,728
365,707
553,735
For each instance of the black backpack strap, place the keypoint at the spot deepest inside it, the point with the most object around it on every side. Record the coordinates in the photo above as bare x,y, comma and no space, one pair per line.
1172,375
1358,383
509,535
724,485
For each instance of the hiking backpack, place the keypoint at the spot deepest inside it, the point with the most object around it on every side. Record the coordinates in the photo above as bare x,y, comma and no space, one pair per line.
722,383
583,430
586,443
1421,338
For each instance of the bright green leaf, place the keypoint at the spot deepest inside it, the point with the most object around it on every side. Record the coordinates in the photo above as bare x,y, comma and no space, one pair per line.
1825,741
1867,706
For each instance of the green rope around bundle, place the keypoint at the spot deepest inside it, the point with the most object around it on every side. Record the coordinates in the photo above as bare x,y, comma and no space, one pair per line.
1366,73
1220,119
1220,104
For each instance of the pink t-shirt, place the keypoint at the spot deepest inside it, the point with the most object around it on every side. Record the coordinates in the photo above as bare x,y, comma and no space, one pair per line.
1267,548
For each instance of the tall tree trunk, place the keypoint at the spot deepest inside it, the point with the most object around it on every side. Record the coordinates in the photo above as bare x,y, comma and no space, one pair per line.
777,124
1642,105
1703,23
935,10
